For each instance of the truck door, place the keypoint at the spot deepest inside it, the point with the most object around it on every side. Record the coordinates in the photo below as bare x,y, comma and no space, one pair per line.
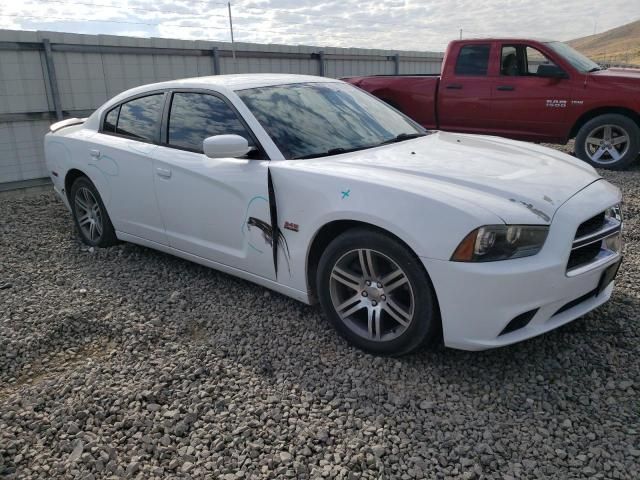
526,102
464,96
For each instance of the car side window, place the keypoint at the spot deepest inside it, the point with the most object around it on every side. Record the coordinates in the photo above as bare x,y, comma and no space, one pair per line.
196,116
140,118
111,120
473,60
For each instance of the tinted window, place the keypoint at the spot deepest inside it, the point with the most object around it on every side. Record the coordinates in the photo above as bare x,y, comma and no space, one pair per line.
473,60
196,116
110,120
316,119
140,118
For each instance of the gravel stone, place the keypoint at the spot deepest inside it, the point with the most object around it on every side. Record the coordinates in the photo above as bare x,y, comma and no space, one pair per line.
126,362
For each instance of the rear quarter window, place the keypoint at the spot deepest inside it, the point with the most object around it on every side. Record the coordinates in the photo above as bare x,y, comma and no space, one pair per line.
140,118
473,60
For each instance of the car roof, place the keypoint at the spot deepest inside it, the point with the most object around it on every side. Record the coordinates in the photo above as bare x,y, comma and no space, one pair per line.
240,81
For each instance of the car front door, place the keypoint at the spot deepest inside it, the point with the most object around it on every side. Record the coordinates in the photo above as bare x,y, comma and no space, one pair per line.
526,105
122,154
464,95
213,208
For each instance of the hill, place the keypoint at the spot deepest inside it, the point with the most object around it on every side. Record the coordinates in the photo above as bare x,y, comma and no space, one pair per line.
618,45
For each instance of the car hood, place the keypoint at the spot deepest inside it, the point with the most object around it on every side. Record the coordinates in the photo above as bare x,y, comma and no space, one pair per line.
631,73
500,175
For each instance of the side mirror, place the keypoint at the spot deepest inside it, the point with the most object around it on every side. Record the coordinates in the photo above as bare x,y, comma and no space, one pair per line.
225,146
551,71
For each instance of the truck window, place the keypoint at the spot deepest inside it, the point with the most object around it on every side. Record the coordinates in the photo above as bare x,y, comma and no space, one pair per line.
522,61
473,60
535,58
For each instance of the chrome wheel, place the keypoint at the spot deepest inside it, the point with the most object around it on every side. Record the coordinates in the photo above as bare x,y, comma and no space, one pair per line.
607,144
88,214
372,295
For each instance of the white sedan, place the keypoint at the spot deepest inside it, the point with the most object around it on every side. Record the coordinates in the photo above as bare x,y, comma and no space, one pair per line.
315,189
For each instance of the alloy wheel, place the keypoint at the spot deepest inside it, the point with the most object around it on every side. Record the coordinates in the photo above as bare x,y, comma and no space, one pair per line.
372,295
607,144
88,214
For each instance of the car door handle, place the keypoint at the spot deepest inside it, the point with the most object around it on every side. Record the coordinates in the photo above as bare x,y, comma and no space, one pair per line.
454,86
94,152
163,172
506,88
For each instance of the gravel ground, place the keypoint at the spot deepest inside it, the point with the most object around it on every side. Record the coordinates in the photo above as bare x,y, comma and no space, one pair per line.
127,362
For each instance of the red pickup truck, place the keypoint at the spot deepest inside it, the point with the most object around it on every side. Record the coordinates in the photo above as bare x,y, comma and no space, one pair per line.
540,91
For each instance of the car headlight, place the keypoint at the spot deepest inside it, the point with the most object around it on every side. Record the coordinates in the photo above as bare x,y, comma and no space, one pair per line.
614,213
501,242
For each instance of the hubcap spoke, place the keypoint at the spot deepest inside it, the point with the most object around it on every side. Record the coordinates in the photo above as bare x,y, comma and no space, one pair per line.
391,276
399,314
619,140
398,283
598,154
373,323
614,153
366,263
594,141
81,203
358,306
607,133
346,278
84,220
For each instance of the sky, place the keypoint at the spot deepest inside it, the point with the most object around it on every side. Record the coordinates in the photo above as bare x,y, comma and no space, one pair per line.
426,25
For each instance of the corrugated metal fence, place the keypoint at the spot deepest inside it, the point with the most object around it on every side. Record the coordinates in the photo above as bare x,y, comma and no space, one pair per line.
45,76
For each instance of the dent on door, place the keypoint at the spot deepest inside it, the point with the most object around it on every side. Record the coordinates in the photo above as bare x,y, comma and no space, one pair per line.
261,230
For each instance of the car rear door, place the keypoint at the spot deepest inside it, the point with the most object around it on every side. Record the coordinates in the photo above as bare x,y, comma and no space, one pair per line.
464,96
216,209
525,105
122,153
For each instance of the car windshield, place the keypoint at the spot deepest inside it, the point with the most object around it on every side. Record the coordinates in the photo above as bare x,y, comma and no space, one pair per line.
307,120
575,58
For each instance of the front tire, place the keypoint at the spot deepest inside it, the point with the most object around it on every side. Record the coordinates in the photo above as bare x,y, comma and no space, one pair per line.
90,215
609,141
376,293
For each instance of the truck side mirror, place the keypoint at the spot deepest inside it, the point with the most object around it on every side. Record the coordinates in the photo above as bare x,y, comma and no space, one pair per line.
551,71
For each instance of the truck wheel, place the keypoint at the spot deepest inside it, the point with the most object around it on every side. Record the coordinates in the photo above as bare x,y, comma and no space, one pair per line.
376,294
609,141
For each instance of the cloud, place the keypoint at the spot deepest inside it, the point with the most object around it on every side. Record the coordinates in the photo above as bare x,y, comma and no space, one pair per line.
388,24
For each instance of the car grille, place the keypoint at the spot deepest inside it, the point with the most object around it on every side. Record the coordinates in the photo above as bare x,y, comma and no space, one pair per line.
589,242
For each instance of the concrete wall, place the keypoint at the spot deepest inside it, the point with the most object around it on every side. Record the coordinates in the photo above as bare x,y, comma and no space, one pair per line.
89,69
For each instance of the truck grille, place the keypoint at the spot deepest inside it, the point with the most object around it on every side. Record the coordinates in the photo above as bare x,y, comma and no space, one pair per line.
590,243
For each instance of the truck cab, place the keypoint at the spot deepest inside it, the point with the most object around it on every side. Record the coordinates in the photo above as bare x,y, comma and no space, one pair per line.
534,90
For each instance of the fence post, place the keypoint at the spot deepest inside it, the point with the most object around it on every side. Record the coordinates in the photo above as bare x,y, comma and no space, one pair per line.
396,64
53,81
321,60
215,54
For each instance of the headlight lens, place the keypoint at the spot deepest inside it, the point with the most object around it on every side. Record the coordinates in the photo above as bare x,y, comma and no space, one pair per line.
614,213
501,242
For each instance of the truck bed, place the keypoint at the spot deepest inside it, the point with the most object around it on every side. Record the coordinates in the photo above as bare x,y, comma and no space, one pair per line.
414,95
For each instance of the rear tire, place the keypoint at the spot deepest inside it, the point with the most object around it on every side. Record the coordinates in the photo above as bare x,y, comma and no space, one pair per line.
376,293
90,215
609,141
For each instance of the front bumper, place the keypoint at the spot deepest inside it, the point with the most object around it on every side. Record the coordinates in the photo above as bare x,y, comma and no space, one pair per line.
478,300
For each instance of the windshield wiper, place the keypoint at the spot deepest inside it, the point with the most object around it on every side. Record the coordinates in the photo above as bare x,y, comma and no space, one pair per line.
402,137
339,150
332,151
